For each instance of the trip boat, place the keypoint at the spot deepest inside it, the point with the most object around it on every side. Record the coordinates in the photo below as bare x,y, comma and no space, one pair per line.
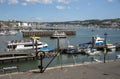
58,35
26,44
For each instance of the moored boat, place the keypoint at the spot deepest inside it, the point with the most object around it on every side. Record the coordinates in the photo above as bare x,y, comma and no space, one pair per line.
99,44
70,49
92,51
59,35
5,33
25,44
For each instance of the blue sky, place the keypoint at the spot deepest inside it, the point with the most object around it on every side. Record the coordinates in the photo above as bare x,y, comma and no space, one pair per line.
58,10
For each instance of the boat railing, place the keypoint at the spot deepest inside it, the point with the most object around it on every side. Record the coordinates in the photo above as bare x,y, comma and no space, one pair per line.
18,41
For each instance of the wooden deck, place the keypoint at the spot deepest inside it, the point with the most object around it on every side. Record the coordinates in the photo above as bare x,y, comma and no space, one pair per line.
14,56
16,59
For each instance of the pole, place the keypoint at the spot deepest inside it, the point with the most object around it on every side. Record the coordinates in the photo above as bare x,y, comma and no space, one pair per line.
58,46
58,50
36,47
42,55
105,49
41,63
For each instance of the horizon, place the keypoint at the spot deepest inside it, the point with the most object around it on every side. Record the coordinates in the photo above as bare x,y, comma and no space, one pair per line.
58,10
64,21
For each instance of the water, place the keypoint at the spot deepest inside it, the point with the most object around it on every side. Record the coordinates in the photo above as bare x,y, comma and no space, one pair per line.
83,34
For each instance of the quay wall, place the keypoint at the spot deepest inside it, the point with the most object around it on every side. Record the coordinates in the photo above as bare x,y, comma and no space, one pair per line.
46,32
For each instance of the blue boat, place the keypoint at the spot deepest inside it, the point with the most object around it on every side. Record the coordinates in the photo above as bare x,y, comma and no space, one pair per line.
46,49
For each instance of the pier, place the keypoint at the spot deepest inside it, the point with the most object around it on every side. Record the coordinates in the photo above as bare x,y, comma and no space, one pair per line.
28,33
15,57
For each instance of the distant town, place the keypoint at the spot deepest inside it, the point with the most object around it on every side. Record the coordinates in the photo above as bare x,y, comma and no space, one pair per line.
106,23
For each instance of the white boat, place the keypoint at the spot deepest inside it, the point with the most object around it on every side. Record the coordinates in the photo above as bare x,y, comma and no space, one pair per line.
59,35
70,49
92,51
4,33
100,42
111,47
25,44
118,56
12,32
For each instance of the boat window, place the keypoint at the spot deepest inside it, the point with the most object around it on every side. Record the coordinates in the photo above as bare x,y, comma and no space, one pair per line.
12,46
31,45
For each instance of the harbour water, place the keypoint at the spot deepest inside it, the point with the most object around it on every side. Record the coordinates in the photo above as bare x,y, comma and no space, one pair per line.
83,35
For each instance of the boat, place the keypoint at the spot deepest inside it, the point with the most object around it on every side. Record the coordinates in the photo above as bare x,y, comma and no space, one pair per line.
92,51
12,32
59,35
111,47
118,56
98,40
2,33
70,49
99,44
26,44
5,33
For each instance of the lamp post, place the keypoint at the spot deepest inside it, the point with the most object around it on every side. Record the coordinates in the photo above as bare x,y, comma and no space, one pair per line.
105,34
41,55
58,50
105,48
36,48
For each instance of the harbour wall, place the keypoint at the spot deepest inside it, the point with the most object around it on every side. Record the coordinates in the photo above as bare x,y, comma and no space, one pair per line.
46,32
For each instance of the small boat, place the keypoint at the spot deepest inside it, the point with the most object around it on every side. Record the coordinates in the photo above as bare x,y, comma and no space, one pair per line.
46,49
111,47
25,44
5,33
98,43
118,56
12,32
92,51
59,35
70,49
2,33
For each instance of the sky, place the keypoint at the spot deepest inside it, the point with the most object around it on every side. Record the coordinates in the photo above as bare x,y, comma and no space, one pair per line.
58,10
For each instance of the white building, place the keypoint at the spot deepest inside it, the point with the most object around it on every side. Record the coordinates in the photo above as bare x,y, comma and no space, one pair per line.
25,24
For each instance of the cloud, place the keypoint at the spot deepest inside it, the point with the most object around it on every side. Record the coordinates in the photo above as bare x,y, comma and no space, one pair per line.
65,1
13,1
60,7
26,2
38,1
1,1
48,1
110,0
